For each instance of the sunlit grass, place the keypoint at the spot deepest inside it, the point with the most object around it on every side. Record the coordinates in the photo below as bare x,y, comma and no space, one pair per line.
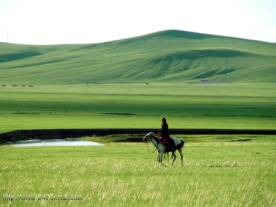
217,172
232,106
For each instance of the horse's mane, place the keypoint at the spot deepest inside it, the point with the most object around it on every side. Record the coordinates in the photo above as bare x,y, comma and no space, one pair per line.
150,133
153,136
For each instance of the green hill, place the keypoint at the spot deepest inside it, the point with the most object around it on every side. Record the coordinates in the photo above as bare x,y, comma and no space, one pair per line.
165,56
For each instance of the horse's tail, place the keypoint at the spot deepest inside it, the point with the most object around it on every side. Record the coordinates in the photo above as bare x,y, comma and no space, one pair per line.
182,143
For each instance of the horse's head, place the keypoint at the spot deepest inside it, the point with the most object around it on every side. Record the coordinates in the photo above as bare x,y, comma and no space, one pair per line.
148,136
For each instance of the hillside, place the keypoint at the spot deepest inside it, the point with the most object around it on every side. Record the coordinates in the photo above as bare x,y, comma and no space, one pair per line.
167,56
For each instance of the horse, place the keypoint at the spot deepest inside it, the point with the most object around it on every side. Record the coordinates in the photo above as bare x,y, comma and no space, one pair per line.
162,149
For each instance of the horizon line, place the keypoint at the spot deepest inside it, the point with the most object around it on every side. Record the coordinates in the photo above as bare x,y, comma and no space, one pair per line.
146,34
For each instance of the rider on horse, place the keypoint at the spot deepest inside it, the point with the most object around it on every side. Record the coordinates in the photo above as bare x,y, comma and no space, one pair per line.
165,136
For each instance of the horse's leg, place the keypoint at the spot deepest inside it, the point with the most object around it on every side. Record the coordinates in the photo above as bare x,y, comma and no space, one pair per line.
181,155
174,157
161,158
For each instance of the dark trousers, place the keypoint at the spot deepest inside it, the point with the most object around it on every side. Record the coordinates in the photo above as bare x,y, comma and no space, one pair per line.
168,142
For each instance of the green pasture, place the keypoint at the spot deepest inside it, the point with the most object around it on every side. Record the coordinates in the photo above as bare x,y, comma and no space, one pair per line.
133,83
251,106
218,171
166,56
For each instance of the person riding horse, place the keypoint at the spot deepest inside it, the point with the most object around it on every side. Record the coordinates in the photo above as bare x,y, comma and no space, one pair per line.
165,136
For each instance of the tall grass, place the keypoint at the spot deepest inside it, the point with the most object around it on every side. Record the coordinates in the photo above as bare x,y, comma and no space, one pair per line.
217,172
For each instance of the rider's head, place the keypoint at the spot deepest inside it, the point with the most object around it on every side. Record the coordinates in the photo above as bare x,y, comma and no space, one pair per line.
164,121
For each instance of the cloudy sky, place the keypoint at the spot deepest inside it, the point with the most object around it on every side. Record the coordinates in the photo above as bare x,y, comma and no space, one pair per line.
91,21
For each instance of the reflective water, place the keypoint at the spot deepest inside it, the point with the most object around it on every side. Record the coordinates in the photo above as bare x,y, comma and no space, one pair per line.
54,142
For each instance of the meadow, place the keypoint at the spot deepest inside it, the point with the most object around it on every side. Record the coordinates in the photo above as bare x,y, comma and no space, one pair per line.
231,106
133,83
218,171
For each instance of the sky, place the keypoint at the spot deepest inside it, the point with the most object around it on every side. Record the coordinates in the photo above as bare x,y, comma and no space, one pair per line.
93,21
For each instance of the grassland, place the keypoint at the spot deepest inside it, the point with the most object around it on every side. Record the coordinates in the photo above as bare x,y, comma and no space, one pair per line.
218,171
136,81
167,56
132,83
251,106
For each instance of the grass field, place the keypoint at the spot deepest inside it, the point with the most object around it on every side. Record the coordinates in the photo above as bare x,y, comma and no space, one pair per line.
218,171
251,106
133,83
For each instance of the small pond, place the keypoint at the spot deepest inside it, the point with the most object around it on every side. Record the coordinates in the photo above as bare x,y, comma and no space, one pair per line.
53,143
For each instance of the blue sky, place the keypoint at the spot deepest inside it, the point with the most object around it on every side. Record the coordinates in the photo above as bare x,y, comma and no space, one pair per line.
91,21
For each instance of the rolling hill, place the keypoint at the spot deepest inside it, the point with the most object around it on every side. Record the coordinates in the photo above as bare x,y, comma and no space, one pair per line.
166,56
